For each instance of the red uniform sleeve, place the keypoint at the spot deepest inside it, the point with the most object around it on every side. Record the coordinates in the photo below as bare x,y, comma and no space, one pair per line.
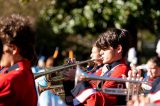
117,73
100,99
95,82
5,92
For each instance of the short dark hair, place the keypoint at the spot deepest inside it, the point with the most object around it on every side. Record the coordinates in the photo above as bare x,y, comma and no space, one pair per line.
114,37
155,59
17,30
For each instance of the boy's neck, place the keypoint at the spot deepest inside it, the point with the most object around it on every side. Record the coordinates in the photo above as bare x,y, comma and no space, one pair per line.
16,59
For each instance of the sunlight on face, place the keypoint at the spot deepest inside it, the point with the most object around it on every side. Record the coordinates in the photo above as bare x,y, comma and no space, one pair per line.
108,55
95,54
7,56
152,69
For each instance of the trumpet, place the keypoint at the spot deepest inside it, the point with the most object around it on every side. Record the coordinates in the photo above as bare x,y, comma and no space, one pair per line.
114,91
59,68
86,76
54,75
56,89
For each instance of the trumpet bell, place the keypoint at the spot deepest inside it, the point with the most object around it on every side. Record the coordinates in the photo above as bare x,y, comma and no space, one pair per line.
56,89
60,68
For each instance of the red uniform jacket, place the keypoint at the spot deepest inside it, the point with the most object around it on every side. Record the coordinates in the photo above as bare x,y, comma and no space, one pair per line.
155,92
85,95
17,87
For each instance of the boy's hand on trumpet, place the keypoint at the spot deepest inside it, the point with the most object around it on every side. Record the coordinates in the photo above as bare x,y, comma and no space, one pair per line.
69,73
132,75
139,100
136,100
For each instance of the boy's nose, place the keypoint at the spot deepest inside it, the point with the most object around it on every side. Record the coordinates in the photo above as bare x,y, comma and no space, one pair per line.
101,52
91,55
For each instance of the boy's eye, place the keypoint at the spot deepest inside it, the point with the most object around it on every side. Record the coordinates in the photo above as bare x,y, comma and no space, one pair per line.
104,49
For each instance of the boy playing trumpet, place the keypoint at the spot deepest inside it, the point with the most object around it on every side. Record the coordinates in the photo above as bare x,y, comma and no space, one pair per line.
114,44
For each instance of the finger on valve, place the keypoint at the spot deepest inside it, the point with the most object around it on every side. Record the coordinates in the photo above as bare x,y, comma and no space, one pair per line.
129,74
125,77
144,99
133,74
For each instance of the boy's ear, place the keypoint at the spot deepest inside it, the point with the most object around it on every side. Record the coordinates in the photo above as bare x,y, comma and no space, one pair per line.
119,49
158,69
15,49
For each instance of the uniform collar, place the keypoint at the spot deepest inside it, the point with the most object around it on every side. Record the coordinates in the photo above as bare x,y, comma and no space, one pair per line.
21,64
110,66
99,66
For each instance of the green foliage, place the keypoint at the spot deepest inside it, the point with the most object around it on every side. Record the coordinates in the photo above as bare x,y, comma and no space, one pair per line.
88,16
91,17
83,20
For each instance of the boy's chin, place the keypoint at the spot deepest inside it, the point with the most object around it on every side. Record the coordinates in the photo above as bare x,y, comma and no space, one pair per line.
104,61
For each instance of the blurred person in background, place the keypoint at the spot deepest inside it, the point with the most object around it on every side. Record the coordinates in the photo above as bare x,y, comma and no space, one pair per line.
39,66
146,72
150,76
153,96
47,97
95,54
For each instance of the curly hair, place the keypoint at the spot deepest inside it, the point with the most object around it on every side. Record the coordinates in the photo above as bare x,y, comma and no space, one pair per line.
17,30
114,37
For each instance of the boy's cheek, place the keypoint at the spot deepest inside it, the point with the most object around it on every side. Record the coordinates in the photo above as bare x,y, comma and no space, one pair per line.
158,72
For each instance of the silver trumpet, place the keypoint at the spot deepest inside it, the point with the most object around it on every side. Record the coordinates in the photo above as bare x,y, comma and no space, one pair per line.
56,89
86,76
55,76
120,90
60,68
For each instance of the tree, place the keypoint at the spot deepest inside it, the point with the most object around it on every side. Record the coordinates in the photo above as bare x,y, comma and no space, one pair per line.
83,20
91,17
